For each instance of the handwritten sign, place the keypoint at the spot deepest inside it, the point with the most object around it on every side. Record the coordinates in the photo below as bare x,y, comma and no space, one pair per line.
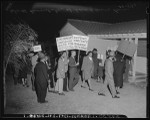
72,42
80,42
64,43
37,48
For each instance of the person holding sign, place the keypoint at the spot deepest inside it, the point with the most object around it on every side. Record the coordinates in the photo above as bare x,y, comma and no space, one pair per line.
119,70
87,69
60,73
73,73
65,85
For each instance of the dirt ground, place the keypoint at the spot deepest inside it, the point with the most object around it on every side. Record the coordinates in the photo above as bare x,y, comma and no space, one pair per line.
132,101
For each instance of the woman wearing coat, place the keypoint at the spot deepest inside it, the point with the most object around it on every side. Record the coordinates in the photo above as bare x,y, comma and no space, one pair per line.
60,73
87,69
119,69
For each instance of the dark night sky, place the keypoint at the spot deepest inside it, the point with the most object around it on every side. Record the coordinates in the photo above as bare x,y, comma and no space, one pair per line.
53,16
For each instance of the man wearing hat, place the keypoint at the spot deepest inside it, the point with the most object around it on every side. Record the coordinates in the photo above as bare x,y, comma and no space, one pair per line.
41,78
109,79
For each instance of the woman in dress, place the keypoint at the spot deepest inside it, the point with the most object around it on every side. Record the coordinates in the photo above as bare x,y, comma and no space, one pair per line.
119,69
87,69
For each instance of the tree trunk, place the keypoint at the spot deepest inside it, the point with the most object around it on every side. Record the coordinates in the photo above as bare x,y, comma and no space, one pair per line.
4,77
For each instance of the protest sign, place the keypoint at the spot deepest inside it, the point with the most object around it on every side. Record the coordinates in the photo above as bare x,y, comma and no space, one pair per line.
123,46
80,42
126,47
131,49
64,43
37,48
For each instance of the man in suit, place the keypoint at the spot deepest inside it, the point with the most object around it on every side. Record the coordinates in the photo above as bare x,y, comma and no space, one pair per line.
41,79
65,84
73,73
109,79
60,73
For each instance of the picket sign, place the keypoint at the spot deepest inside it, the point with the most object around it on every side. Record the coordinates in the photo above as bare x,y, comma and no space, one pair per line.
37,48
126,47
80,42
72,42
64,43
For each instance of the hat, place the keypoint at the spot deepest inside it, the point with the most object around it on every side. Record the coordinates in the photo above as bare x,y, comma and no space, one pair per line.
111,54
94,49
41,55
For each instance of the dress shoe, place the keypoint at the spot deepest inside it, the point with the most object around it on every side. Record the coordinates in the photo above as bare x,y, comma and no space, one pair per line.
61,94
118,92
55,91
44,101
91,89
116,96
72,90
83,86
101,94
66,91
50,91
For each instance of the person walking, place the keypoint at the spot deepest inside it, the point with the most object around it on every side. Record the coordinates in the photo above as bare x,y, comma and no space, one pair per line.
109,79
119,69
60,73
87,69
41,79
65,84
95,61
73,72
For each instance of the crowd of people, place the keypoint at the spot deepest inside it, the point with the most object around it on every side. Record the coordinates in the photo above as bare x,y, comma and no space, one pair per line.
64,75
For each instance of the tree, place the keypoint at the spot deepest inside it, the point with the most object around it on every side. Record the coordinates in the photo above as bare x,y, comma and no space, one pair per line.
18,39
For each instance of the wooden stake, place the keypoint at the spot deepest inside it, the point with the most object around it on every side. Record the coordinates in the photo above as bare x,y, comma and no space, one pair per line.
78,56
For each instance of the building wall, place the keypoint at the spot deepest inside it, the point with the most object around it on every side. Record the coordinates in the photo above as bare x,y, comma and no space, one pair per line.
142,48
141,65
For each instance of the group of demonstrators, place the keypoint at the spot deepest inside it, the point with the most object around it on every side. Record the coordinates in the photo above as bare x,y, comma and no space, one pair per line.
67,75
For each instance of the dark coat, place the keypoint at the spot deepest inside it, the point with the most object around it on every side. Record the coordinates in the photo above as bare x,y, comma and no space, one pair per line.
87,68
100,69
95,62
41,75
72,65
119,69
